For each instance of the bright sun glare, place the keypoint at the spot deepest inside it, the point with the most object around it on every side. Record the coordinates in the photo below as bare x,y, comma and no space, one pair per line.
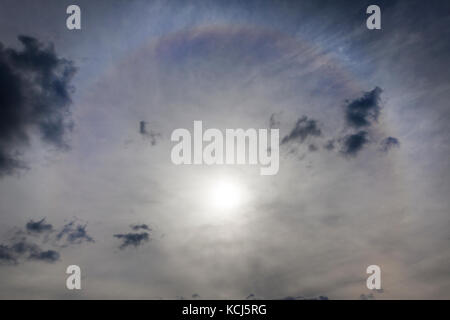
226,194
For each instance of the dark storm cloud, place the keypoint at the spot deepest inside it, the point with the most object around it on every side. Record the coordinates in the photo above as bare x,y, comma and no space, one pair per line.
352,144
304,128
39,226
389,143
363,111
34,96
73,233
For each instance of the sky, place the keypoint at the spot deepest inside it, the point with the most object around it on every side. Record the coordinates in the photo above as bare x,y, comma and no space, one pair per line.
86,176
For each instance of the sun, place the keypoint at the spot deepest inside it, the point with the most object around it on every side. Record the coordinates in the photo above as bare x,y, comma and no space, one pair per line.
226,194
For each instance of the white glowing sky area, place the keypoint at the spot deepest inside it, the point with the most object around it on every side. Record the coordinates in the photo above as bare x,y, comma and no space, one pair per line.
226,194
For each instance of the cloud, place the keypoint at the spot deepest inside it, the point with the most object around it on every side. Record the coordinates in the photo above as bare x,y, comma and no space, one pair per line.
132,239
34,97
23,247
6,255
252,296
329,145
39,226
369,296
363,111
273,121
389,143
47,256
305,298
140,226
151,134
352,144
74,234
312,147
304,128
9,163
